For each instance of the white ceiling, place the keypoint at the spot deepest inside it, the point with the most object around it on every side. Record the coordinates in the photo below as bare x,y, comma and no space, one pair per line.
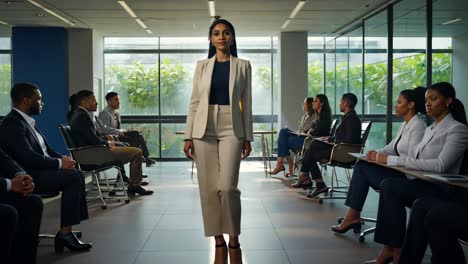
191,17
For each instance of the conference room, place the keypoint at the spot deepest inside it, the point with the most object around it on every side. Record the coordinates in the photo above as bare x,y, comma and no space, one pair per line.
114,93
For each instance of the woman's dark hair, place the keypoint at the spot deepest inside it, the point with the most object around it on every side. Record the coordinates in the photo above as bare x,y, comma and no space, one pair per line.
326,110
310,109
74,104
456,108
416,95
233,48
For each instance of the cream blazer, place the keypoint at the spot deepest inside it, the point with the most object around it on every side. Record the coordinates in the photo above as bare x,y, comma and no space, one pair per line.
441,149
240,98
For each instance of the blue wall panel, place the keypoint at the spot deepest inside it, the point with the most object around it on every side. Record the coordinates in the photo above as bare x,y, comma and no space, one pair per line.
40,56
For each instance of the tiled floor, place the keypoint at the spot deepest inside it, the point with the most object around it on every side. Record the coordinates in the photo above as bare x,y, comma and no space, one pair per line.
279,225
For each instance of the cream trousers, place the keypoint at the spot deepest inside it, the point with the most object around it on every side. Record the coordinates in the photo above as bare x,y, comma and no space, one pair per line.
217,156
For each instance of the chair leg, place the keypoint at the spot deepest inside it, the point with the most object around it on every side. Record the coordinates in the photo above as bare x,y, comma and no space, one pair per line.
103,202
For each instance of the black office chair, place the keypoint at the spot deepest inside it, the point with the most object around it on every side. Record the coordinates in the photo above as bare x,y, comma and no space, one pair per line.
95,160
340,158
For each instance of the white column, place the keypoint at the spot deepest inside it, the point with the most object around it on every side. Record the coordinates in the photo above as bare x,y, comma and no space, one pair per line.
292,78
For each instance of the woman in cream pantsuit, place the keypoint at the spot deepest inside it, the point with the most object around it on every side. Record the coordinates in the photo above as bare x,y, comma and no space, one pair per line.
218,135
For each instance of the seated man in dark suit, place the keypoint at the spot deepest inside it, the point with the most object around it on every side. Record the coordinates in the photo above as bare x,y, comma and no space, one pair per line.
110,121
84,134
20,214
347,130
50,170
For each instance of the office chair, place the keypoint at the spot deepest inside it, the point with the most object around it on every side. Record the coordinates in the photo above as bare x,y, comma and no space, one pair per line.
95,160
340,158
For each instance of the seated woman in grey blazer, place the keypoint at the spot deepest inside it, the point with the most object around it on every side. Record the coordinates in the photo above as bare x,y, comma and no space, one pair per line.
315,122
408,104
441,150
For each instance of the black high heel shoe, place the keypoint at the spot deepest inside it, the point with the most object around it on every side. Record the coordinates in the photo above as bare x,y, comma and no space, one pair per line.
341,230
71,242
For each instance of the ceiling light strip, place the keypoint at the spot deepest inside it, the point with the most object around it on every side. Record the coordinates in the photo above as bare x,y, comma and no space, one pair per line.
4,23
149,31
294,13
211,8
285,25
297,9
51,12
127,8
141,23
451,21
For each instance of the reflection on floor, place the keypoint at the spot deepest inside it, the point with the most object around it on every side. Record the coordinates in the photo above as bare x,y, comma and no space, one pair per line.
279,225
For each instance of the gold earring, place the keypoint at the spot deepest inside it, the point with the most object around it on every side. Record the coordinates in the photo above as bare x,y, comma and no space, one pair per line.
211,43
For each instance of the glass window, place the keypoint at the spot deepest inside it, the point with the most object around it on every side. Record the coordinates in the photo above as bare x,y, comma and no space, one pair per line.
130,43
177,72
261,81
409,46
135,77
5,83
330,63
5,44
185,43
341,69
355,66
315,74
150,133
375,69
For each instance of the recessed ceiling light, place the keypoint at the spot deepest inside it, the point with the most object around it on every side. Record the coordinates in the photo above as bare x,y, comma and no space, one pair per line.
39,14
452,21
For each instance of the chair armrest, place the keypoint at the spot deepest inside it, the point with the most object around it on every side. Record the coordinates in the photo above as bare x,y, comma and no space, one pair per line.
340,152
92,155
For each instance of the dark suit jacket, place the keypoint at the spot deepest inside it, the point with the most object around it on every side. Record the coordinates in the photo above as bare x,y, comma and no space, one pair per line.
83,130
8,169
21,143
321,127
348,129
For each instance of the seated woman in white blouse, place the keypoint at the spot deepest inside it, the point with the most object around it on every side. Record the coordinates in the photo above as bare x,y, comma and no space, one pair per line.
409,103
441,150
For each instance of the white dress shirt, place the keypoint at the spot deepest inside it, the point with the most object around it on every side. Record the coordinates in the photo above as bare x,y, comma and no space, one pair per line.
407,139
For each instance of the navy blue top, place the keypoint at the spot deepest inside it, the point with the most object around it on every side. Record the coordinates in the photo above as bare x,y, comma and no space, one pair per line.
219,93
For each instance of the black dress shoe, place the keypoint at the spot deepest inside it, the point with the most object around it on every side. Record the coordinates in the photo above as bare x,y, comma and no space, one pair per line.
149,162
71,242
132,190
144,183
317,191
144,176
343,229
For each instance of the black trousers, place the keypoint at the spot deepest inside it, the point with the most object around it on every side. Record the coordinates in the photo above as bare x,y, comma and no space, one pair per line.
395,195
135,139
439,223
20,218
366,175
316,152
71,183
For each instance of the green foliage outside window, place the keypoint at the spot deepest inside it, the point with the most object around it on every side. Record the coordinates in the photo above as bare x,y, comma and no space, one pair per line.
5,86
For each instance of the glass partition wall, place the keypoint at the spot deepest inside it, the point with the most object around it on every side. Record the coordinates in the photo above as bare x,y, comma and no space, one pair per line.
368,44
153,77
